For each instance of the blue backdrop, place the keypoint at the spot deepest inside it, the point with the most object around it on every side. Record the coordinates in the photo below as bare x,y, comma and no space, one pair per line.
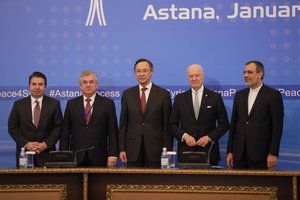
64,37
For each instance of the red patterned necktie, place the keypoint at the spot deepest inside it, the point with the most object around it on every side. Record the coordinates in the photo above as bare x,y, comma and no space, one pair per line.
87,111
36,113
143,100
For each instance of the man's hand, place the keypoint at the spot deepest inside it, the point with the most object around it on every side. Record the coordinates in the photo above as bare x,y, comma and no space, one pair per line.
32,146
123,156
271,161
203,141
189,140
40,147
111,161
229,160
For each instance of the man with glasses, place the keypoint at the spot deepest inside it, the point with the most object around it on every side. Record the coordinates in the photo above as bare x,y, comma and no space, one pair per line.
90,126
143,122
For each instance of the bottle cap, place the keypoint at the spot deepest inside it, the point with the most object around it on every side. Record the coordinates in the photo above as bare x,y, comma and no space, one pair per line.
171,153
30,152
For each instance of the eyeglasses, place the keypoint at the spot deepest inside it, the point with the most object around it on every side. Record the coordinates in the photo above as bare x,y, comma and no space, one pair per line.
92,82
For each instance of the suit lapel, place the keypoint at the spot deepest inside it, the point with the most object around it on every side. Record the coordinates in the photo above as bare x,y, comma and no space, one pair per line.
79,105
28,110
189,100
96,105
152,95
44,111
244,101
136,97
203,101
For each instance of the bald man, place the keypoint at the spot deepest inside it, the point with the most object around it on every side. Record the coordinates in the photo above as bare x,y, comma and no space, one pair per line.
198,117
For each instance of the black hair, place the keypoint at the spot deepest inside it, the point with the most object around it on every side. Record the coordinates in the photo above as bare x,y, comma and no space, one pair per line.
38,75
144,60
259,67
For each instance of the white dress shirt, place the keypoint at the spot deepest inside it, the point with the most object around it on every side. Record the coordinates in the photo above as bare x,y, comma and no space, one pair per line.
252,96
147,92
91,102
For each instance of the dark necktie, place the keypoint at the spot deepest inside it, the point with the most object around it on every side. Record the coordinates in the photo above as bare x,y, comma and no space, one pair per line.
36,113
143,100
87,111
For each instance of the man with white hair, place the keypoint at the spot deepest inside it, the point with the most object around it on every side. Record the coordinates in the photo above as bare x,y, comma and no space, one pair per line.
198,117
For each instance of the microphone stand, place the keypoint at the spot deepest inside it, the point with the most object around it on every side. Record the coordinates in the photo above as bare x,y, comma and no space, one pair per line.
208,153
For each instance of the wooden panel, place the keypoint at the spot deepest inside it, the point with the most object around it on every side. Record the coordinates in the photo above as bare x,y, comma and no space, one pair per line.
33,191
73,182
98,182
178,192
92,183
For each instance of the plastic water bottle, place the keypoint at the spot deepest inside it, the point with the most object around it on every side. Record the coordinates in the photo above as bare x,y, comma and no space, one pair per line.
164,159
23,159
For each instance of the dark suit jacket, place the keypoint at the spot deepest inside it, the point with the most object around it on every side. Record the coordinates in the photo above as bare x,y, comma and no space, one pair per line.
152,126
260,131
101,132
22,130
212,111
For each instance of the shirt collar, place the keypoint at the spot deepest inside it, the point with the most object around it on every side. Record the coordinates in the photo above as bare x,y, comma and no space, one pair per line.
39,99
149,86
92,98
199,91
256,89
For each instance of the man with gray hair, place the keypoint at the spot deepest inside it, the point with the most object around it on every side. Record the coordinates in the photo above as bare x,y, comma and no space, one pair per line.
198,117
90,123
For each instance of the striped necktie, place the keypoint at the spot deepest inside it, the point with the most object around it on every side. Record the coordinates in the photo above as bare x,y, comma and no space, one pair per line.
87,111
36,113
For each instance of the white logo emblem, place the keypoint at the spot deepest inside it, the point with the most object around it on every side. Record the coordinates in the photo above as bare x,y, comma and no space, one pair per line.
96,6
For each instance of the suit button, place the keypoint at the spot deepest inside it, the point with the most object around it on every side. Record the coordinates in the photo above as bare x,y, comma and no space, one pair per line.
247,122
143,124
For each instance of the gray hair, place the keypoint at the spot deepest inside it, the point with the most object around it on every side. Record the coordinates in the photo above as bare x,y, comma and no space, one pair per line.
87,73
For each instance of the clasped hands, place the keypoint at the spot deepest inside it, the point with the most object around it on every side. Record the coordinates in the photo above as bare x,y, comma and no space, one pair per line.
38,147
190,141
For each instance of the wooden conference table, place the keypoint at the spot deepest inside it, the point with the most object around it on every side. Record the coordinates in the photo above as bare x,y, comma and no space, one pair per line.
147,184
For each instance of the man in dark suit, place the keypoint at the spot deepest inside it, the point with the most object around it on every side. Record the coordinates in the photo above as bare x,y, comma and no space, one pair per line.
90,123
35,121
194,117
256,123
143,121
